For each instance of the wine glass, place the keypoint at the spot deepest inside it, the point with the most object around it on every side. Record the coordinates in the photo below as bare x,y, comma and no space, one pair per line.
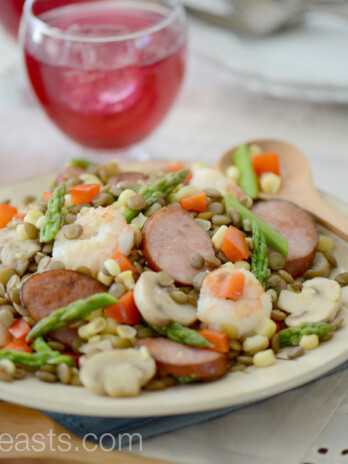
11,12
106,72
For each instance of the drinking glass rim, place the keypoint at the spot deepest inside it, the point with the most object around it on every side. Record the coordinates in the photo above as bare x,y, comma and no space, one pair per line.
60,34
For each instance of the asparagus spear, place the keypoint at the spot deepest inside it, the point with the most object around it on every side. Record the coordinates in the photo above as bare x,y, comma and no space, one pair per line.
79,163
54,217
159,189
33,361
259,260
39,344
292,335
248,178
273,239
180,334
77,310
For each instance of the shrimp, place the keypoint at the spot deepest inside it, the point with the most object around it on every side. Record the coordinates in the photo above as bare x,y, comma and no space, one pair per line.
243,314
212,178
105,231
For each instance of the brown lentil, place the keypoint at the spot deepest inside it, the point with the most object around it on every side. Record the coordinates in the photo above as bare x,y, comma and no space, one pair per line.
212,260
164,279
3,301
273,294
5,376
205,216
192,301
275,343
278,315
276,261
179,297
19,374
197,261
276,282
6,316
64,373
20,310
13,282
297,285
116,191
14,295
57,346
160,384
29,320
38,257
246,201
75,381
44,376
117,290
138,267
234,215
48,368
106,188
244,359
330,257
342,279
286,276
84,270
72,231
27,200
72,182
70,218
32,267
145,332
238,367
56,265
212,193
199,279
246,225
233,354
215,207
235,345
5,275
220,219
296,352
103,199
76,344
47,248
222,257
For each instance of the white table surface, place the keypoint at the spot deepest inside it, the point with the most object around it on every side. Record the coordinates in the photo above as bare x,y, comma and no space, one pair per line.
210,116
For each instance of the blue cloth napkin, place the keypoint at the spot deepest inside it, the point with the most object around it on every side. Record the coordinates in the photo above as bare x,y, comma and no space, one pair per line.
118,432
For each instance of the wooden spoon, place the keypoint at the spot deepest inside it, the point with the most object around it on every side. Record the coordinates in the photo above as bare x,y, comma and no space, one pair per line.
297,184
17,420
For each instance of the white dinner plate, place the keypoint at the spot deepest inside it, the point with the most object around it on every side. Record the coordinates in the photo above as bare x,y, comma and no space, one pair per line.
234,389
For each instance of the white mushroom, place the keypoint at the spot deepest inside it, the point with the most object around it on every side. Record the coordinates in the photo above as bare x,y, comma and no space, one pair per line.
319,301
16,254
156,305
118,373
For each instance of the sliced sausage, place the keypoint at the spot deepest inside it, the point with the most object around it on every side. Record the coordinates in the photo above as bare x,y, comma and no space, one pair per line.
128,176
185,361
44,293
170,237
297,226
69,172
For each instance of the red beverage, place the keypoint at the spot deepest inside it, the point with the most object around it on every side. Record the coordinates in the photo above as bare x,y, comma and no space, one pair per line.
10,15
107,93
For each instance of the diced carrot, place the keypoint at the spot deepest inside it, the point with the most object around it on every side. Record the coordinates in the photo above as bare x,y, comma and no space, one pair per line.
175,167
84,193
266,162
47,196
19,216
124,263
6,214
219,340
232,286
197,203
18,345
188,178
19,329
234,245
125,311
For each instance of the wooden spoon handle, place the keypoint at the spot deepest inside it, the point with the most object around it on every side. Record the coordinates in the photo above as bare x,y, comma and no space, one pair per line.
324,214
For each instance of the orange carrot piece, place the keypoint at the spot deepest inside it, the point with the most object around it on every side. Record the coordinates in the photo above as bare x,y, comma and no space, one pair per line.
125,311
47,196
19,329
219,340
18,345
6,214
197,203
232,286
84,193
234,245
124,263
266,162
175,167
19,216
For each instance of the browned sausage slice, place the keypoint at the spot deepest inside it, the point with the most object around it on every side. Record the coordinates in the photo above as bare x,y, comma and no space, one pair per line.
297,226
44,293
185,361
170,236
128,176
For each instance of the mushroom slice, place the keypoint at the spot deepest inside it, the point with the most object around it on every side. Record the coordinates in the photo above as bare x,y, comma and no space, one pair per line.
119,372
319,301
16,254
156,305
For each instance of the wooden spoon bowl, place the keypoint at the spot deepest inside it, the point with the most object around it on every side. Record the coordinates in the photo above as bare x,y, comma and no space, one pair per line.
297,184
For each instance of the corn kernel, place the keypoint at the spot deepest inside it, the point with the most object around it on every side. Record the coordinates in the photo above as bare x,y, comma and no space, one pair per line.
22,235
104,279
84,210
230,330
67,200
111,326
126,278
90,179
242,265
40,222
125,195
32,216
255,343
264,358
270,183
325,244
233,173
112,267
218,237
184,192
309,342
139,221
267,327
92,328
126,331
